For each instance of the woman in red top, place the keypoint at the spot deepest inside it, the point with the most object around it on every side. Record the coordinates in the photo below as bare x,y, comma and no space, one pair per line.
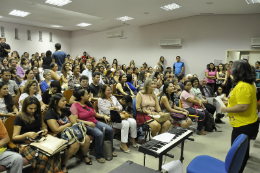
84,112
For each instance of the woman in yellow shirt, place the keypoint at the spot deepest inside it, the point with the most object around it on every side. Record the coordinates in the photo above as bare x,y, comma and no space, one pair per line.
242,105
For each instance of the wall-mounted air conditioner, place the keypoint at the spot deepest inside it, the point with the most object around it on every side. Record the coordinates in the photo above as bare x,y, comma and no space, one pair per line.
170,42
112,34
255,42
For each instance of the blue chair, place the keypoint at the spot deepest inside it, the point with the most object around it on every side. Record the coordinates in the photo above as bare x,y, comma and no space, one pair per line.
232,164
134,108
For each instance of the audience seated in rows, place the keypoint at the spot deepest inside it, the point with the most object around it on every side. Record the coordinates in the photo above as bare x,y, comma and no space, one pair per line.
47,94
122,87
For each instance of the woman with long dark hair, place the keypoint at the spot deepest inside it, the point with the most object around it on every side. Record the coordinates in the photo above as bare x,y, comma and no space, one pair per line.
211,76
29,75
24,64
7,107
58,118
65,74
123,69
242,105
27,125
84,112
168,105
47,60
115,62
122,87
5,64
222,77
74,78
37,75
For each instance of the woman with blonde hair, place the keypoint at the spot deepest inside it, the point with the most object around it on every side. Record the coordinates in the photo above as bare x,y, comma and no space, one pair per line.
147,104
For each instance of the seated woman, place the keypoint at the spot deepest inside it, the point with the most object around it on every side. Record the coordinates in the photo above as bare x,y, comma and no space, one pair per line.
107,102
116,76
47,94
74,78
54,75
25,64
30,89
29,75
27,125
84,112
168,105
46,83
65,74
147,104
165,79
38,73
159,79
109,80
5,64
196,91
58,118
141,78
7,107
122,87
131,83
188,100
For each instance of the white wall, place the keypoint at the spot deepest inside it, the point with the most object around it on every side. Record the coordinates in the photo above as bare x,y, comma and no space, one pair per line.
205,38
23,45
253,57
233,56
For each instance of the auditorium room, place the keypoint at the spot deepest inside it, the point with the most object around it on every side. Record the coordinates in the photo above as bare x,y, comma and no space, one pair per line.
129,86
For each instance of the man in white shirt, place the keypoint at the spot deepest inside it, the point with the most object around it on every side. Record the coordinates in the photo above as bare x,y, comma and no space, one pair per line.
88,72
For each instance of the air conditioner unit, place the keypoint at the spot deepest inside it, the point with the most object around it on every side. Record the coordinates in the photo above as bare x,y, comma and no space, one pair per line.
170,42
255,42
112,34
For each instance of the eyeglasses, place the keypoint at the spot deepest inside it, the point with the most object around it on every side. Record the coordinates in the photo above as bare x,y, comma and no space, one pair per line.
86,108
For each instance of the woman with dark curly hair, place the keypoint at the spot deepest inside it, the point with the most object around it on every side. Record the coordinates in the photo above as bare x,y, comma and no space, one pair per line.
7,107
242,105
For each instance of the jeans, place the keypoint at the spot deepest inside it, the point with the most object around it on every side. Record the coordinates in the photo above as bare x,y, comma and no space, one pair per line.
202,120
251,130
12,161
97,132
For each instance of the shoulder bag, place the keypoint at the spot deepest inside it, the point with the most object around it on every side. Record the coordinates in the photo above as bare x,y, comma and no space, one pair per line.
159,119
74,133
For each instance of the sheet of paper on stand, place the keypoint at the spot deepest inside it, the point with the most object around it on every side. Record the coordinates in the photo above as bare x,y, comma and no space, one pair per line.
221,103
165,137
210,100
173,167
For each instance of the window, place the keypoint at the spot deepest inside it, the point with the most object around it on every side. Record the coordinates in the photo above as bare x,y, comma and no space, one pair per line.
50,37
16,34
2,31
29,35
40,36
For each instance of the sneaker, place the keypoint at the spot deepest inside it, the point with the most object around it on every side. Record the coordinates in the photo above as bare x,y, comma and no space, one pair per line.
201,133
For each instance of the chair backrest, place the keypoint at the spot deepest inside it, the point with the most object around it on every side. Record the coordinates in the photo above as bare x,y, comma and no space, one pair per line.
134,108
236,153
180,103
16,99
114,89
9,125
96,106
68,94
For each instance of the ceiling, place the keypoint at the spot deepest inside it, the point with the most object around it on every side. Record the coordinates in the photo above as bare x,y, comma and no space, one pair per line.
102,14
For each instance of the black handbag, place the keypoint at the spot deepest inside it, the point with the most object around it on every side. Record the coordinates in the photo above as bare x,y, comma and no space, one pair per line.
115,116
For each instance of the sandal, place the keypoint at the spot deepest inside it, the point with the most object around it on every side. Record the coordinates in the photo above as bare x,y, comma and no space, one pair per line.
114,154
135,146
101,160
88,163
62,166
127,151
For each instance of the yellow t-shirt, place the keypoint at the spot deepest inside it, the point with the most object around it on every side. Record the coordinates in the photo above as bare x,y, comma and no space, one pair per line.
243,93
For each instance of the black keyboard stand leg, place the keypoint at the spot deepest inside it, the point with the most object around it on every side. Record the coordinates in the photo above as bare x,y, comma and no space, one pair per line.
160,162
182,148
144,159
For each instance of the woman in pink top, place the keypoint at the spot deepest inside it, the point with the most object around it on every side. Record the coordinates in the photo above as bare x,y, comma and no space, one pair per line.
84,112
188,100
147,104
211,76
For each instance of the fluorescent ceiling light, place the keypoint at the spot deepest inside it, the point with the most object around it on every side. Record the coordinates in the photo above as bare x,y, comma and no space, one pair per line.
56,26
19,13
83,24
59,3
252,1
125,18
171,7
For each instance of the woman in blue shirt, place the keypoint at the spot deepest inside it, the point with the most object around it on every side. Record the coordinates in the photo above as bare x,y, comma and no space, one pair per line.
46,83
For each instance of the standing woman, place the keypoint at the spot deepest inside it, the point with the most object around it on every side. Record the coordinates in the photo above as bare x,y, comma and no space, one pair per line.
211,76
47,60
7,107
5,64
27,125
65,74
242,105
132,62
58,118
74,78
222,76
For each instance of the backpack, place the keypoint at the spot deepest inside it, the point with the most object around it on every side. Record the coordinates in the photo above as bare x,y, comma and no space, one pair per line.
210,125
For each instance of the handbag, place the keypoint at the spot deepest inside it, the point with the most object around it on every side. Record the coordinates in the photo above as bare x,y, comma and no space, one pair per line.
160,119
124,115
115,116
74,133
178,116
50,145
